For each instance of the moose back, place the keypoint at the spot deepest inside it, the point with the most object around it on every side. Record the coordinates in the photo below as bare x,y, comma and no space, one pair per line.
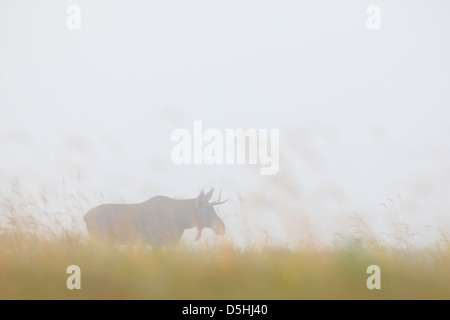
160,221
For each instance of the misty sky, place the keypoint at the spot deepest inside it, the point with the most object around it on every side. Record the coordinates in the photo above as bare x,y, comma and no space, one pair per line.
364,115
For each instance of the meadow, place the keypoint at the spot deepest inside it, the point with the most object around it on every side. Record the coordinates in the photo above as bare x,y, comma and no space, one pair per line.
33,268
34,258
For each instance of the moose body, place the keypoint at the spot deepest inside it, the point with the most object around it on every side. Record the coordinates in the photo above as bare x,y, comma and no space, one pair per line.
160,221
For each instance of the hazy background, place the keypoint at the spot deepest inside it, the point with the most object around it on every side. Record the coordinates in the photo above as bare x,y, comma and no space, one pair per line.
363,114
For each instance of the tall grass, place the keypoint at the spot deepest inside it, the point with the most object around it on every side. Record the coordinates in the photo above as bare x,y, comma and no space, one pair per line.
36,249
32,268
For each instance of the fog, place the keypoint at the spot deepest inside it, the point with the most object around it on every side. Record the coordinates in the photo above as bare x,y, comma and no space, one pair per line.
363,115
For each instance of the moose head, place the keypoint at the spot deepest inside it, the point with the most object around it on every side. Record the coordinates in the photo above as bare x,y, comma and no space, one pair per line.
206,215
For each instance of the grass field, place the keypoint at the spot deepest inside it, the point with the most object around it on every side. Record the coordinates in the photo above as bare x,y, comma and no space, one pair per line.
35,252
32,268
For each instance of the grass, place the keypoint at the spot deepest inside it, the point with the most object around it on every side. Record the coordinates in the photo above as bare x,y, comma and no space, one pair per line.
35,251
32,268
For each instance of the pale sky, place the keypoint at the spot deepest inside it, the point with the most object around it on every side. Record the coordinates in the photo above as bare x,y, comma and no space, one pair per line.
364,115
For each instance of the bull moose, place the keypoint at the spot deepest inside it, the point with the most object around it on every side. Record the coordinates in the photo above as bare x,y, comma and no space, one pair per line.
159,221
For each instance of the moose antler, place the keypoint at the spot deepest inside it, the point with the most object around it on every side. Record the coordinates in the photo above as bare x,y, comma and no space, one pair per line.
217,202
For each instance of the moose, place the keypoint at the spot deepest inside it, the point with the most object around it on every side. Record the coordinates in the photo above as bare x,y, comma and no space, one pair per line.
159,221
